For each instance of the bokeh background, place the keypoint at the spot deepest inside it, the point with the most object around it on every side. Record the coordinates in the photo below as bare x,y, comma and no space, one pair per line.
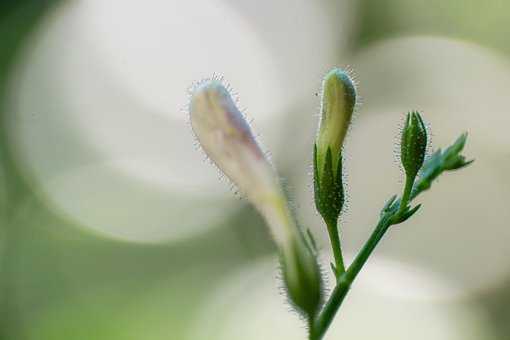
114,226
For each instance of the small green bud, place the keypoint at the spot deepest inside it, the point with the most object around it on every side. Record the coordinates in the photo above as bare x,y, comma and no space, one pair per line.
338,100
413,144
303,279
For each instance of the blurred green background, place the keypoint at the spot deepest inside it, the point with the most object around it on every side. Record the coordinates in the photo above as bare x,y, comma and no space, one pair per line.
113,226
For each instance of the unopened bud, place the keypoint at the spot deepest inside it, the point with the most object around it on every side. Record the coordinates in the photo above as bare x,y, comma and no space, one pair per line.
338,100
302,276
337,105
226,138
413,144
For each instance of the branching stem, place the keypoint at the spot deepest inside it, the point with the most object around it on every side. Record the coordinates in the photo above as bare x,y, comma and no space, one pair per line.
394,212
407,193
324,319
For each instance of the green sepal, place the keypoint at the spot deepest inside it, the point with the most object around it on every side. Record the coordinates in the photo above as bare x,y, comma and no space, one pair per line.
413,144
316,182
333,268
328,189
311,242
405,215
388,205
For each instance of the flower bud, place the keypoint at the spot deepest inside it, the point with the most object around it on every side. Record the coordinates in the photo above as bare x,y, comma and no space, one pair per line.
226,138
337,105
302,276
413,144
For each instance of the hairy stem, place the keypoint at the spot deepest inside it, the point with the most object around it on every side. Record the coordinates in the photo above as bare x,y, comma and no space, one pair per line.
334,237
344,280
324,319
395,211
406,196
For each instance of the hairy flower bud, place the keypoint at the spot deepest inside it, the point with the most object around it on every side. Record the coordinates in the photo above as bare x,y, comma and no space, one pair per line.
413,144
302,276
337,105
226,138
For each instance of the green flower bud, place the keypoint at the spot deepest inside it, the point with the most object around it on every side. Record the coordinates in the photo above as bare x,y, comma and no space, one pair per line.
337,105
413,144
303,279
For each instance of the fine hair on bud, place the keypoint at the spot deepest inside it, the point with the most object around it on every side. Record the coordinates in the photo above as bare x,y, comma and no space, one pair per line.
338,100
413,145
227,139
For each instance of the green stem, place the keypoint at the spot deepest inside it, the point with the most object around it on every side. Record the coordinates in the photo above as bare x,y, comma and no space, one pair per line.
407,193
344,281
334,237
323,321
393,213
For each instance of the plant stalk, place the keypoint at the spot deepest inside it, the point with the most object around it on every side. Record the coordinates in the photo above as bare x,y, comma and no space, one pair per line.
406,196
324,319
334,237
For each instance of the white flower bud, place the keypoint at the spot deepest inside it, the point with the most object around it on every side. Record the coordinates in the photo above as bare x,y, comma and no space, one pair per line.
227,139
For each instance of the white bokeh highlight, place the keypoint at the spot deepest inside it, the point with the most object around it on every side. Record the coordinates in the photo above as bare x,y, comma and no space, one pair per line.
104,86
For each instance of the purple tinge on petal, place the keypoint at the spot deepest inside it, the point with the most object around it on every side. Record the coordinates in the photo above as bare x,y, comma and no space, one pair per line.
237,119
222,114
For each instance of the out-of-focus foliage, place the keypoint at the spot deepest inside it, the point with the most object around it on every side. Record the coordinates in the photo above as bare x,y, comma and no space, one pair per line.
17,19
